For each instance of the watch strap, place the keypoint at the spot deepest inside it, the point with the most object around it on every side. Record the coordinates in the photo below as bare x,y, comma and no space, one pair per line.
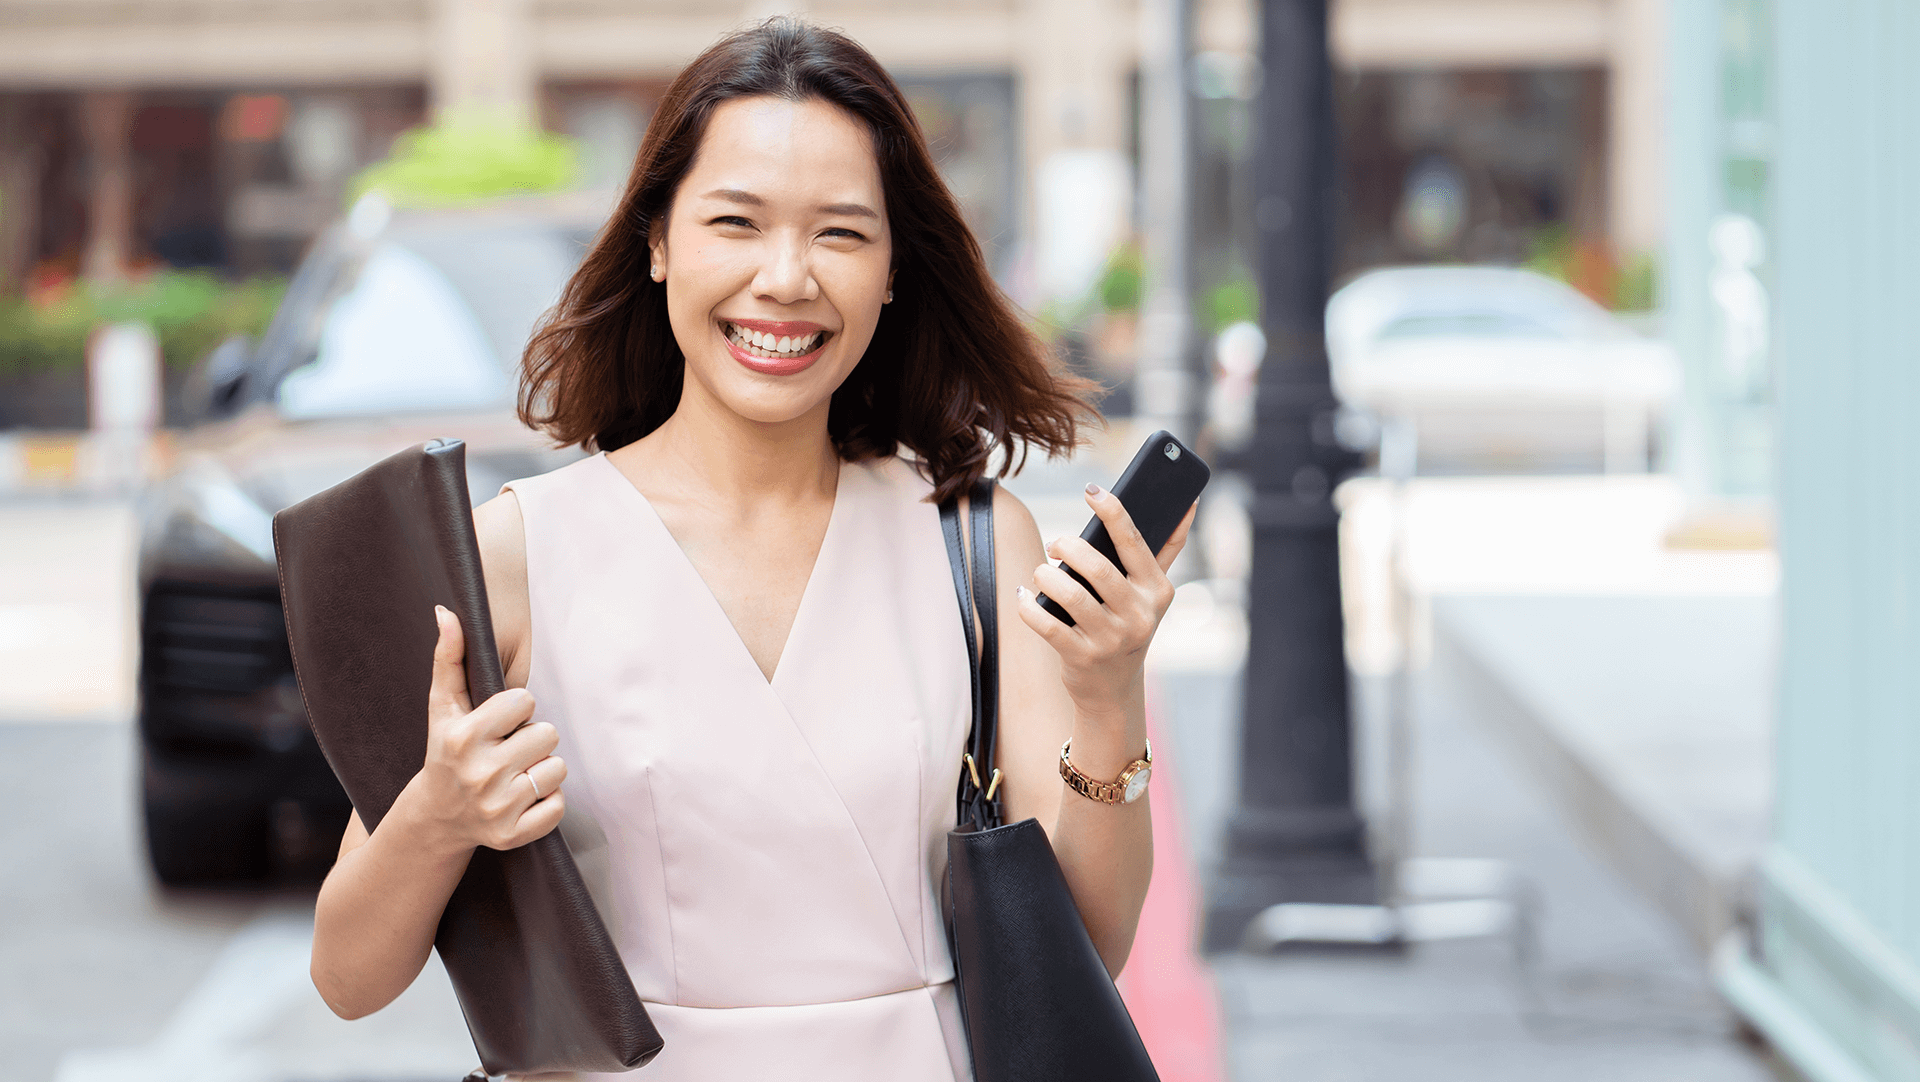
1104,792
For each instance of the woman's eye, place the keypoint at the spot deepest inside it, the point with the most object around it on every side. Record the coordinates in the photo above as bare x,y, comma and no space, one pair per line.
847,233
732,219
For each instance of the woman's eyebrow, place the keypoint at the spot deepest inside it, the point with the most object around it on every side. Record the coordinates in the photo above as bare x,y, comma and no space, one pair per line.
852,210
748,199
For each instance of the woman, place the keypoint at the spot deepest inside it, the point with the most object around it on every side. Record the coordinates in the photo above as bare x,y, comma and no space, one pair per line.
737,620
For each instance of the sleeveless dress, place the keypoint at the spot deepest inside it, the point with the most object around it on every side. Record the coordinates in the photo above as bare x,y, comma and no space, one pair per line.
766,853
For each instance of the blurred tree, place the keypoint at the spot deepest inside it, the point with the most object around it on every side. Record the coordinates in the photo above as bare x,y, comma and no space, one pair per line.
465,161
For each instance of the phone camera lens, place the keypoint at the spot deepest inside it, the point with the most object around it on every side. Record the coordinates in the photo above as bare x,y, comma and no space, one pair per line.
1173,451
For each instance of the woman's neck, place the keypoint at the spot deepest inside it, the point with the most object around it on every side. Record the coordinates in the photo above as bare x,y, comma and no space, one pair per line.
707,452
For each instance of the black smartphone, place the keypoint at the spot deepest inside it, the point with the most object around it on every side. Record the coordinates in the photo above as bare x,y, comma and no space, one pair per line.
1161,482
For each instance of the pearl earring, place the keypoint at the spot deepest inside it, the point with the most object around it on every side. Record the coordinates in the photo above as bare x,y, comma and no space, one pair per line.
659,275
889,299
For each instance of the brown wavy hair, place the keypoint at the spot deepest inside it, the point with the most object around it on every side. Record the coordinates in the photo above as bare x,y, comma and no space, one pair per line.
953,373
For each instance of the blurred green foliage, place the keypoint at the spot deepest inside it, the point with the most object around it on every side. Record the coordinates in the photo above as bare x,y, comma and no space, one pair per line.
1636,288
190,312
1628,287
466,161
1235,300
1550,252
1124,279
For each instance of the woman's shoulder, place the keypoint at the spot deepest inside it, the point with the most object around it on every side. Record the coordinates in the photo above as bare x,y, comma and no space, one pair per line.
908,478
582,471
500,523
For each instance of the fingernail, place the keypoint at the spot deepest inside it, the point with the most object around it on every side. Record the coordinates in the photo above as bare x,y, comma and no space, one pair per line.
1020,592
1093,489
439,611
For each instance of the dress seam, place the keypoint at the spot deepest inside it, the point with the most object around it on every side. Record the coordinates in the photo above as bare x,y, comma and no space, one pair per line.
660,854
907,991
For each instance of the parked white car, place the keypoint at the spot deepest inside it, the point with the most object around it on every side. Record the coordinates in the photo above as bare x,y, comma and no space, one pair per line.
1499,369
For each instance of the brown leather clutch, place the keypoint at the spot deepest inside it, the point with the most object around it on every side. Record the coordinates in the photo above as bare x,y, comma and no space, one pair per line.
361,566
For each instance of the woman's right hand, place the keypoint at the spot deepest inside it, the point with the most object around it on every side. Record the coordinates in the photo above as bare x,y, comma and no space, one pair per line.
490,777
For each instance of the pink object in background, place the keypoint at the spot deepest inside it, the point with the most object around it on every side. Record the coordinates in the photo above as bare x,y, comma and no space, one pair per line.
1168,989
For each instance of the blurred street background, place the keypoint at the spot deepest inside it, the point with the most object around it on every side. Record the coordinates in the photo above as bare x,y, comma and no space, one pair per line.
1538,698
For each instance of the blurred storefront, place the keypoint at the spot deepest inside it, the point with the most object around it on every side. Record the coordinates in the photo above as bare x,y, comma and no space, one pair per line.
212,134
1472,131
1504,131
216,135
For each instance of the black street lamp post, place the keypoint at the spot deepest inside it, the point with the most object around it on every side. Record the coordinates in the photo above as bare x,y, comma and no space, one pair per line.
1295,835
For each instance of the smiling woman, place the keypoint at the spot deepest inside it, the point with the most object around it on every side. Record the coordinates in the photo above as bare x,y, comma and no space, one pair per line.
778,240
737,661
821,163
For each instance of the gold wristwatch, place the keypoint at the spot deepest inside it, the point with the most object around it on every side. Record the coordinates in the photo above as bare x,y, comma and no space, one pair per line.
1125,789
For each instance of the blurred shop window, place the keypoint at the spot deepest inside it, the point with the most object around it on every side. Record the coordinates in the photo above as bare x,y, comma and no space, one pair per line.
286,159
608,130
969,125
401,338
253,118
1470,165
1434,210
323,139
176,214
316,141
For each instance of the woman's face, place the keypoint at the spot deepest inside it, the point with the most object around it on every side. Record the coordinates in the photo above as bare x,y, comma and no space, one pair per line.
777,257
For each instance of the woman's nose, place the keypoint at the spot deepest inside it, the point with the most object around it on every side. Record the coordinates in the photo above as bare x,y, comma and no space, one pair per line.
786,276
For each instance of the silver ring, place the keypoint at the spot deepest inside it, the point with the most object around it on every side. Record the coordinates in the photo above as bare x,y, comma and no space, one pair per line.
537,794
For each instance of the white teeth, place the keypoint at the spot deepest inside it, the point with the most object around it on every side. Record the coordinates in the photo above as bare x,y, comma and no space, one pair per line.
791,344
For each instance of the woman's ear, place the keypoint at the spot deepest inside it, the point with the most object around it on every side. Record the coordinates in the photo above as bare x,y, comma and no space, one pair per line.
657,251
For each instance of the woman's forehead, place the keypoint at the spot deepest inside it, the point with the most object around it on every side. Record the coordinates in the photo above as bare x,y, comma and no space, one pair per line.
809,152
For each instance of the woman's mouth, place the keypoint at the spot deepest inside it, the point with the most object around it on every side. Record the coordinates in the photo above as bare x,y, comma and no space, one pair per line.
773,354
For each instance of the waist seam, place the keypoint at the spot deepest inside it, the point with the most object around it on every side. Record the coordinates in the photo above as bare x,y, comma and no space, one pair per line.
817,1003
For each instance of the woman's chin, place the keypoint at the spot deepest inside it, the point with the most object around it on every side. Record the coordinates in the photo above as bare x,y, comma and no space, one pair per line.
775,400
764,405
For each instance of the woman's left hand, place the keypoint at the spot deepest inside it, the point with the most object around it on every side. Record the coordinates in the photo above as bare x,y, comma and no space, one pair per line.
1103,654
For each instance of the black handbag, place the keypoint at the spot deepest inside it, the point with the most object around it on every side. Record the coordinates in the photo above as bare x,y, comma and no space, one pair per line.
361,567
1035,997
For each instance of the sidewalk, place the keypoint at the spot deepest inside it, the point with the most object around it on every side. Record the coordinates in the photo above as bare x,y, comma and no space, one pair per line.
1636,681
1615,987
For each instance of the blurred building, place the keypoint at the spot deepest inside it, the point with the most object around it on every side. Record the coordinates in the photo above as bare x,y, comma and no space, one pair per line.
1833,976
210,132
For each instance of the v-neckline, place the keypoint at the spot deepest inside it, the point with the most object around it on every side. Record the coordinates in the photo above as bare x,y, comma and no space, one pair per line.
686,563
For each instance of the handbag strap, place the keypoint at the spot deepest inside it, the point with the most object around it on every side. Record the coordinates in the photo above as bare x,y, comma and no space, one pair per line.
979,791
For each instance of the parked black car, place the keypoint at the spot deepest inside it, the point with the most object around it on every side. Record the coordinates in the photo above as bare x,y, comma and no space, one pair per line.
397,328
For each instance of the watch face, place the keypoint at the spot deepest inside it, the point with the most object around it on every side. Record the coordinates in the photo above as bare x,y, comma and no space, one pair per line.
1137,784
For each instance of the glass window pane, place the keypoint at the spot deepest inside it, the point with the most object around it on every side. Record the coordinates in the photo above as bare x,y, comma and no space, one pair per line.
401,338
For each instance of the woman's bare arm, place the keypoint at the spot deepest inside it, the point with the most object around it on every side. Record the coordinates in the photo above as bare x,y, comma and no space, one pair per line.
380,905
1088,683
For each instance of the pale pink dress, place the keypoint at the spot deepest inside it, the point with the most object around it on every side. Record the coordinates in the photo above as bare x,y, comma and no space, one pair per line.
766,853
